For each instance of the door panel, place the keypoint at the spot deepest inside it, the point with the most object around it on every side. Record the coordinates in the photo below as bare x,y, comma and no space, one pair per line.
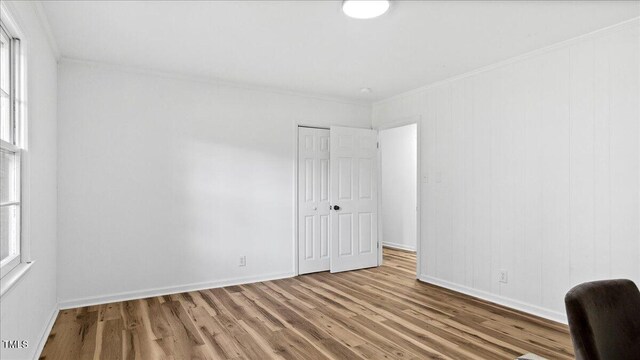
324,180
324,237
309,236
313,200
344,178
345,234
354,229
364,235
309,178
365,177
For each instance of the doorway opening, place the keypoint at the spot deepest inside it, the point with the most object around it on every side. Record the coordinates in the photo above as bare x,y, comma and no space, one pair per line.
398,195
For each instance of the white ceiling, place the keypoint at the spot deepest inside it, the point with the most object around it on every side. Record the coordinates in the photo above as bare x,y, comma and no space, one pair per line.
311,47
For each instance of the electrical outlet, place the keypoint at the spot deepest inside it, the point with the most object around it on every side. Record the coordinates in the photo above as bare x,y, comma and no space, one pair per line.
503,276
243,260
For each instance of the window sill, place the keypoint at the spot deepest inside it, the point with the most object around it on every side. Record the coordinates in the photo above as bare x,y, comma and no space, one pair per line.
13,277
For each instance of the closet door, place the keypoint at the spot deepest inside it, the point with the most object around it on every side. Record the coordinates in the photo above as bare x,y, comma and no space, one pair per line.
313,200
354,214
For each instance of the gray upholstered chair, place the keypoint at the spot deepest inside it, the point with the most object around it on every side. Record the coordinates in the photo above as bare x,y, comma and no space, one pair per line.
604,320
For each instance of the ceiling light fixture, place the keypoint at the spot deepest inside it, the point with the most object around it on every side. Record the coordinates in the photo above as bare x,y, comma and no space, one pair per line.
365,90
365,9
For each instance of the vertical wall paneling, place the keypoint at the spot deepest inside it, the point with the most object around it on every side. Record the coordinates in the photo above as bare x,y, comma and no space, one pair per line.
623,109
582,147
532,166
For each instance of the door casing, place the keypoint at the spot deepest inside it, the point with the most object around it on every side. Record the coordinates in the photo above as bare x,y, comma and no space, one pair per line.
390,124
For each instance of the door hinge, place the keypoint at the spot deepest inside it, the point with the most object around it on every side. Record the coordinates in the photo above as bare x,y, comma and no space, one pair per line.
377,145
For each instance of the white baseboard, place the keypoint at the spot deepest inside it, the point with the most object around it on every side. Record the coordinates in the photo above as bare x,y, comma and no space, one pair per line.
501,300
398,246
132,295
47,330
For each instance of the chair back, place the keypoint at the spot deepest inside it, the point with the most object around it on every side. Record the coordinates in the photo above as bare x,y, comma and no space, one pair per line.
604,320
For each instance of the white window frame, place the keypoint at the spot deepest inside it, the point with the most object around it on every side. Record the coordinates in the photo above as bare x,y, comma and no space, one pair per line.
12,146
14,268
9,263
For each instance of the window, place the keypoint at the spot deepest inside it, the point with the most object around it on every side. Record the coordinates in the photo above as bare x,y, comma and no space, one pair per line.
10,154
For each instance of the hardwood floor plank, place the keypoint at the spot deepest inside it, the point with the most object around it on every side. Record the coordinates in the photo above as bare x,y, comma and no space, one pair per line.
260,340
313,334
380,340
271,321
187,340
111,340
377,313
424,351
158,322
212,334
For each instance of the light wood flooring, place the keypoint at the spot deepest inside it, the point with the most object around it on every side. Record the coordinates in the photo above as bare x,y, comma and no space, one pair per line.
380,313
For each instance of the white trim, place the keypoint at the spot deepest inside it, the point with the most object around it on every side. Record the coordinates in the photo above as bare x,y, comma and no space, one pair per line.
600,32
12,263
9,263
10,203
46,26
9,146
399,122
133,295
398,246
500,300
13,277
210,80
10,19
47,331
296,240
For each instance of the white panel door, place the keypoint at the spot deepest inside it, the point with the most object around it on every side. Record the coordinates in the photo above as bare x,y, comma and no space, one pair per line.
354,171
313,200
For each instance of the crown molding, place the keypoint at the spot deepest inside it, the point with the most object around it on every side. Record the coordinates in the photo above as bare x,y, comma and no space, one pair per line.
210,80
593,34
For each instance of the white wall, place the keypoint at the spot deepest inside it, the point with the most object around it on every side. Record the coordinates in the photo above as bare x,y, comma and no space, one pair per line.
165,182
398,158
29,306
532,166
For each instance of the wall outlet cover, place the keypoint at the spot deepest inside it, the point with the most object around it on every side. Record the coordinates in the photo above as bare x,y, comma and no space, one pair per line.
503,276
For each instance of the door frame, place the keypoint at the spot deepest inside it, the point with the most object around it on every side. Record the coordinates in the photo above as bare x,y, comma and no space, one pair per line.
296,240
391,125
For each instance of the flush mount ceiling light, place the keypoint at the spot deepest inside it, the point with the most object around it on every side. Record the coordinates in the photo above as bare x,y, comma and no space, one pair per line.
365,9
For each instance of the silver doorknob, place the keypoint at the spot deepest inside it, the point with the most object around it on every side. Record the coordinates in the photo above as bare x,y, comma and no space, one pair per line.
315,208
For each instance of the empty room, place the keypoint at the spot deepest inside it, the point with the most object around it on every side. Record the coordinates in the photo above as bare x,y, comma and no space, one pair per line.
328,179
